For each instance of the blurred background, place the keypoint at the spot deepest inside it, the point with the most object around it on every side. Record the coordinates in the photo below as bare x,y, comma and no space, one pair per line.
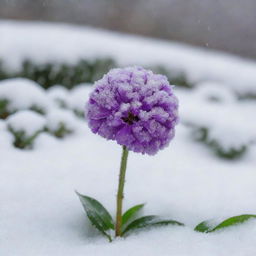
227,25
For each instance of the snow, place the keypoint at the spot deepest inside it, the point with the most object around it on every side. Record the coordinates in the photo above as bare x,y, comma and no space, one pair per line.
71,99
58,117
6,138
78,96
213,91
40,213
230,122
231,135
45,140
22,93
23,40
59,95
2,125
28,121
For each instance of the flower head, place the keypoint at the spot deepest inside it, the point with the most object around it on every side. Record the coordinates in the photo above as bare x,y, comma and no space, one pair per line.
135,107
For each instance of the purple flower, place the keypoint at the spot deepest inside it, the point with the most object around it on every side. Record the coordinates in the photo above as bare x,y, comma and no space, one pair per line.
135,107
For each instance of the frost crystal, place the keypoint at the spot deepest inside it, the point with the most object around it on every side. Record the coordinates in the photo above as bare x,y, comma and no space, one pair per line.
135,107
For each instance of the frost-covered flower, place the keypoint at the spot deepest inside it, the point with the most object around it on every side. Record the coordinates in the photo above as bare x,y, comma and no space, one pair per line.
135,107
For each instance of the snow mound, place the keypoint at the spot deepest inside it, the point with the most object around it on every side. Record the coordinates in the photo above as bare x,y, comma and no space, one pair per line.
45,140
21,94
230,135
2,125
6,139
59,95
214,92
61,122
26,121
78,98
226,125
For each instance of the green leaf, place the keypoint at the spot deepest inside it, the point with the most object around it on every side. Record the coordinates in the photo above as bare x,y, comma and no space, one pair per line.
233,221
97,214
167,222
130,213
203,227
140,223
149,221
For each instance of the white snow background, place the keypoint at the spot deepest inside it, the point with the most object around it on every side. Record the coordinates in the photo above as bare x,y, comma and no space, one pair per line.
39,211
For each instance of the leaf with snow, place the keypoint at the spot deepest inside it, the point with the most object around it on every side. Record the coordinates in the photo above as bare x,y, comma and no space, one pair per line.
97,214
234,221
205,226
149,221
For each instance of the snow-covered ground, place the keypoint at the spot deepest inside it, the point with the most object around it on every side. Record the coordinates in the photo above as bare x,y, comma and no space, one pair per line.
39,211
44,42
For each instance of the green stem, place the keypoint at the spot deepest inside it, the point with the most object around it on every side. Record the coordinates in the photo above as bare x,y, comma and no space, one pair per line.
120,193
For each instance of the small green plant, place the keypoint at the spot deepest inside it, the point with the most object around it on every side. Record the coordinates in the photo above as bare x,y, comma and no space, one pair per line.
4,113
227,153
60,123
18,94
202,134
79,113
60,131
68,75
38,109
61,103
246,96
22,140
25,126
